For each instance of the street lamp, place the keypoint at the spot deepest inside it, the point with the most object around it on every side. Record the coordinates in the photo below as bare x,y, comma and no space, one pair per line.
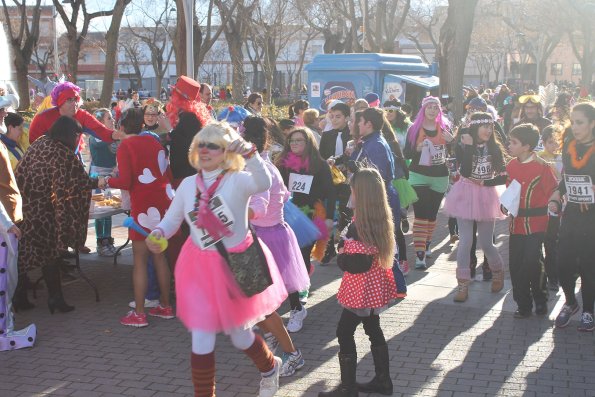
56,52
188,19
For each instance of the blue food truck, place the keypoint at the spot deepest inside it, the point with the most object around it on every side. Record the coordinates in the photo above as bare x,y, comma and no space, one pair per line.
347,77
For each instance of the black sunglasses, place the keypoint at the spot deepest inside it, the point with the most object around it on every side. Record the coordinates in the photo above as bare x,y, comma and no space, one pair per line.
210,146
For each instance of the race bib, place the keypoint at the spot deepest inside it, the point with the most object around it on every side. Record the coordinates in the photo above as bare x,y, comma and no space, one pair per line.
482,167
299,183
221,210
579,189
438,155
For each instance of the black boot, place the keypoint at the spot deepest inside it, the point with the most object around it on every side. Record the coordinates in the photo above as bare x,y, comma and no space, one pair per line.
51,274
348,387
330,251
20,300
381,383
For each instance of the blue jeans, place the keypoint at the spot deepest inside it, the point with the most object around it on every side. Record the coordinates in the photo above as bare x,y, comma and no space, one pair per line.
153,292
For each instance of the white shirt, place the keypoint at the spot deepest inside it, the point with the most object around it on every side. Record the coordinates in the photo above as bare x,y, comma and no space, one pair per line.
235,189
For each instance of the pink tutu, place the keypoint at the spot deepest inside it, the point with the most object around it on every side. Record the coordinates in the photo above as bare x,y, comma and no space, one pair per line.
468,200
283,244
208,297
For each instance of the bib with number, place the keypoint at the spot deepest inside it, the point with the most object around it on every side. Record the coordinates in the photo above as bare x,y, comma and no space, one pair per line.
221,210
299,183
482,167
579,189
438,155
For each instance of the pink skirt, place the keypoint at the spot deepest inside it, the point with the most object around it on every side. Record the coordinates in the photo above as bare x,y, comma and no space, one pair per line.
467,200
208,297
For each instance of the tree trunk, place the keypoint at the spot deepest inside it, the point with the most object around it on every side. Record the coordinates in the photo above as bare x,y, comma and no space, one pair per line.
111,52
455,37
74,49
22,69
237,62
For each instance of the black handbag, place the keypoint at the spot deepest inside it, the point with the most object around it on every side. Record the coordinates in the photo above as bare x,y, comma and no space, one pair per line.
249,268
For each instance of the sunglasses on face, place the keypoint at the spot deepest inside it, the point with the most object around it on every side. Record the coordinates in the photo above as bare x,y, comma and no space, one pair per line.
296,141
210,146
529,98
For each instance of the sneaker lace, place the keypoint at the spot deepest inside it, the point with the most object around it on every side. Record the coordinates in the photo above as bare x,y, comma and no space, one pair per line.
587,317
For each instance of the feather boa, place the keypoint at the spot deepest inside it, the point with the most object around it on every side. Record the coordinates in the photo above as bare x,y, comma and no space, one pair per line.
295,162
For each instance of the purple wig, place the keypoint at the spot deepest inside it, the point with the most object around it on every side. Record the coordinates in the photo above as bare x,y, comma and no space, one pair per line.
67,85
441,120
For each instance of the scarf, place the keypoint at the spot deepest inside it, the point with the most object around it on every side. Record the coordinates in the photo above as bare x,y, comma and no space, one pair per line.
204,216
11,146
295,162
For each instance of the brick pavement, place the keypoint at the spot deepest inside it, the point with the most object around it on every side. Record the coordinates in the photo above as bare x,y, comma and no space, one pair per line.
438,348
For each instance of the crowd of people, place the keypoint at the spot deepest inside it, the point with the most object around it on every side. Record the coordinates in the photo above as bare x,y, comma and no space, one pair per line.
238,206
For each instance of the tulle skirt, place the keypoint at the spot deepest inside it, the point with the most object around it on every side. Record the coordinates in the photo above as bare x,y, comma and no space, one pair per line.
407,194
283,244
305,230
208,297
468,200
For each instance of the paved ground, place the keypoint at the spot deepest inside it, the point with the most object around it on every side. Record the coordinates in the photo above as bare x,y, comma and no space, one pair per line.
438,348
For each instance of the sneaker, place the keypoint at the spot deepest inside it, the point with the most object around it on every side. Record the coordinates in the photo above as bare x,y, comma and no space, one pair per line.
522,313
587,324
404,267
541,309
553,285
404,225
114,250
428,250
270,384
162,312
565,315
271,342
296,320
104,251
149,303
304,296
420,264
132,319
454,238
291,363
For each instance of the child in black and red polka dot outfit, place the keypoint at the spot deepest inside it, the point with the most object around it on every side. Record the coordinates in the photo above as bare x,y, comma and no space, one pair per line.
366,255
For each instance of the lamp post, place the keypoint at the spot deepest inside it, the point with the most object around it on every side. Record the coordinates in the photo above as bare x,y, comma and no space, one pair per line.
56,55
188,19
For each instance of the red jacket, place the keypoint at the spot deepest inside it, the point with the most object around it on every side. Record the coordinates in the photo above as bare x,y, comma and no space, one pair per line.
43,121
538,182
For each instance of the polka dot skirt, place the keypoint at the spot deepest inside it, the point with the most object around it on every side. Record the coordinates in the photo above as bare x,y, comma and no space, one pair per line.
372,289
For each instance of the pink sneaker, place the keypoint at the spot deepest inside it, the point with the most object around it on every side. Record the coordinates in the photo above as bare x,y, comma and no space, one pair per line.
163,312
132,319
404,267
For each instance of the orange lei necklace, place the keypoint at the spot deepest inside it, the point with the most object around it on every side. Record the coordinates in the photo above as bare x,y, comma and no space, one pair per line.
577,162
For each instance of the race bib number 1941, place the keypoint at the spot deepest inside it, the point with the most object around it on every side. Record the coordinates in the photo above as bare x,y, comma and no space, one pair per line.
579,189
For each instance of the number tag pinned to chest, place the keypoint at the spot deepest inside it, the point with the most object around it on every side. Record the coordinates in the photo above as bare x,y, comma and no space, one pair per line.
222,211
299,183
579,189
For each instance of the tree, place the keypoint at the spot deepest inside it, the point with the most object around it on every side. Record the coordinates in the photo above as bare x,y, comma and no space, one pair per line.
423,24
579,18
154,30
455,38
23,35
134,54
75,39
111,52
42,58
322,18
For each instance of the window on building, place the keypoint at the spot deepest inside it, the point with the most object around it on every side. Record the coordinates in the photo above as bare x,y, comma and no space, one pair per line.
101,56
85,58
556,69
576,69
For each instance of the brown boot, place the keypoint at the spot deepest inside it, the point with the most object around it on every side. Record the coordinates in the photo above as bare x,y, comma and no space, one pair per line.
462,291
497,280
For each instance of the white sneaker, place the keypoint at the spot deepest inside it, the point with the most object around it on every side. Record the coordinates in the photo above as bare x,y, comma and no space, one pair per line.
104,251
291,363
296,319
270,384
271,342
148,303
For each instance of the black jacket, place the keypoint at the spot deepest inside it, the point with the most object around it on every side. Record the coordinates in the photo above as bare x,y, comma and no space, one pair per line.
329,139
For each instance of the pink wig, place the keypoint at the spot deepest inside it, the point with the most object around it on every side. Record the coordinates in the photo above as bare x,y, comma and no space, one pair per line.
67,85
441,120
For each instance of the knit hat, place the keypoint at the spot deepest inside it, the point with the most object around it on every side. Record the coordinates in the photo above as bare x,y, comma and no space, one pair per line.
64,91
430,99
478,103
373,99
286,123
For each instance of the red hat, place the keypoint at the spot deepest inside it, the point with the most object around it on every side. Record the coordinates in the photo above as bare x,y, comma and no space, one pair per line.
187,87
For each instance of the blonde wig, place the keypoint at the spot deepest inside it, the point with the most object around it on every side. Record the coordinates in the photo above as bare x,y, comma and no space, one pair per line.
373,216
222,134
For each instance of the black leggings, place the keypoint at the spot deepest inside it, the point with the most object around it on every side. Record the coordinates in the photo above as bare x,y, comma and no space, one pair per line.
294,301
347,326
428,204
576,256
402,245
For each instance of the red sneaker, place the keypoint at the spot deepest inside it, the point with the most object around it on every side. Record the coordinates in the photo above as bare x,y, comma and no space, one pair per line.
132,319
163,312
